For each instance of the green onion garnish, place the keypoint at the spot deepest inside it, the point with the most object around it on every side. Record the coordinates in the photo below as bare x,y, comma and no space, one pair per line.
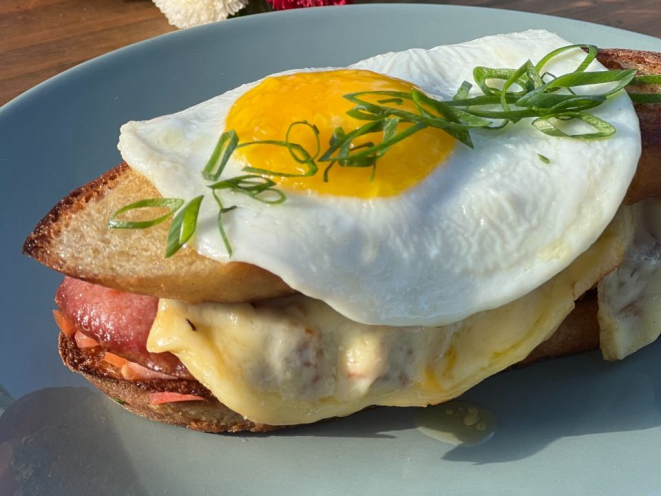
257,187
297,152
172,204
183,226
225,147
548,126
645,97
222,210
527,92
462,92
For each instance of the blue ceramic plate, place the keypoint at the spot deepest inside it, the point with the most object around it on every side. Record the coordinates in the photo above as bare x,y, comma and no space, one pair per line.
574,426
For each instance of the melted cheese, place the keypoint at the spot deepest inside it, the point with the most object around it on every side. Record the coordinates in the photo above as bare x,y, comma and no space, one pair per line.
629,297
296,360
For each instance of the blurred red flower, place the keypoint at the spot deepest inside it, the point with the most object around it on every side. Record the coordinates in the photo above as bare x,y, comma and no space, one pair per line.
297,4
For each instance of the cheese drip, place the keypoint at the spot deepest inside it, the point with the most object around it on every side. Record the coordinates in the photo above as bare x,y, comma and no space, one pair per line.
296,360
629,310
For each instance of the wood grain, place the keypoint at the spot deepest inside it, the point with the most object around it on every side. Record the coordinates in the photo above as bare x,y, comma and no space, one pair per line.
641,16
40,38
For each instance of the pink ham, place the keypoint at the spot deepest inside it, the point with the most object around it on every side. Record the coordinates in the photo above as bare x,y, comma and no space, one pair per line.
118,321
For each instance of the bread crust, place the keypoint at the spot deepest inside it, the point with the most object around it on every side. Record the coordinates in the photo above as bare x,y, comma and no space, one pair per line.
73,239
647,181
207,416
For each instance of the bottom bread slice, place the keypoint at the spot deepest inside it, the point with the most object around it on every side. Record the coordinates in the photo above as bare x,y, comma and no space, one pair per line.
209,415
579,332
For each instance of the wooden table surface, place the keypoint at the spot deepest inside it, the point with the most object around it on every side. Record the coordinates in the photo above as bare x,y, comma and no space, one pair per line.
40,38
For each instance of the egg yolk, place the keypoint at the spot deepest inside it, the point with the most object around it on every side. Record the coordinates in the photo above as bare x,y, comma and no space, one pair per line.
266,112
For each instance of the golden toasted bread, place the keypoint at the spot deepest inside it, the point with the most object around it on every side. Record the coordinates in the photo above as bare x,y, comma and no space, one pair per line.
73,239
209,415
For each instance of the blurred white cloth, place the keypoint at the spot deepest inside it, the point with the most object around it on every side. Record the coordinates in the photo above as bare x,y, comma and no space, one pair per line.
188,13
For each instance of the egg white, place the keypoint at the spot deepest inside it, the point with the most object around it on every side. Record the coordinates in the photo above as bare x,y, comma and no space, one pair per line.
484,228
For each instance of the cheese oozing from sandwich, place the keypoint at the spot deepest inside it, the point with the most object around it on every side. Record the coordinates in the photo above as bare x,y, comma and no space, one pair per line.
296,360
441,232
630,296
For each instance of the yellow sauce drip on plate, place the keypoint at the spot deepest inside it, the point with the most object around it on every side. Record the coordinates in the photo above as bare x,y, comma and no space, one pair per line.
457,422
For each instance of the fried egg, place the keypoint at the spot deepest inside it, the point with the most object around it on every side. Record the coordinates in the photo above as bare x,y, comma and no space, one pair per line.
441,231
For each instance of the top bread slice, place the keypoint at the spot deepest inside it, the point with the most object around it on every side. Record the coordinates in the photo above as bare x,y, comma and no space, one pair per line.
73,237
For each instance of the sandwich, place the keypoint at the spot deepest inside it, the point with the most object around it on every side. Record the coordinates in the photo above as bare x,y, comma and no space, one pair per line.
387,234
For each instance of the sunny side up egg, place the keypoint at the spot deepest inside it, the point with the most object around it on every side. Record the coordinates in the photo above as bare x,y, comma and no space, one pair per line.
442,231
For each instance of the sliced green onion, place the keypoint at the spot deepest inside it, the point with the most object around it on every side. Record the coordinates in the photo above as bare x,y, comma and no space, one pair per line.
543,158
297,152
327,170
307,157
483,74
390,129
247,183
311,165
221,154
221,228
462,92
534,77
480,100
396,101
366,157
647,79
591,55
576,103
537,96
603,128
645,97
361,115
183,226
516,76
342,141
172,204
253,186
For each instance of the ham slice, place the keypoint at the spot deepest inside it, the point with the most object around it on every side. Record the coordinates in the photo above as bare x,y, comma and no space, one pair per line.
118,321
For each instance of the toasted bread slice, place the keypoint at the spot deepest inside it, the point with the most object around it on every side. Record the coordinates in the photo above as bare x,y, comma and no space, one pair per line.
579,332
73,239
647,181
209,415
